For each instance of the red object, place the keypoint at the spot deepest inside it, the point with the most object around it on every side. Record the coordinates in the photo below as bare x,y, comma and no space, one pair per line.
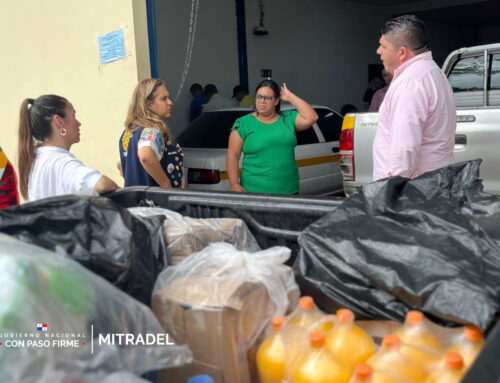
346,139
8,187
203,176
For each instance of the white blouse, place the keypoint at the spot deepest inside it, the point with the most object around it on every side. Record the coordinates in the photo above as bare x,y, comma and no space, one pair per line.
56,171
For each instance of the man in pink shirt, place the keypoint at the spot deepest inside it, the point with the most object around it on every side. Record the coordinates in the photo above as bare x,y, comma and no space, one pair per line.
417,119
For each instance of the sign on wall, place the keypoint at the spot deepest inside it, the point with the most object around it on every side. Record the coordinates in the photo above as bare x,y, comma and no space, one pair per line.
112,46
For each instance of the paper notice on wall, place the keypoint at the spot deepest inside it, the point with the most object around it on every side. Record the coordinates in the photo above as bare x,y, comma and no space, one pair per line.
111,46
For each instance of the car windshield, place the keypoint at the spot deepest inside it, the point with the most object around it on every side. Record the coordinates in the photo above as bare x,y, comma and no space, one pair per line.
210,130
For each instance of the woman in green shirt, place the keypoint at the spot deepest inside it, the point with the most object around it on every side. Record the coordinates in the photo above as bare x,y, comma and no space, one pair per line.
267,138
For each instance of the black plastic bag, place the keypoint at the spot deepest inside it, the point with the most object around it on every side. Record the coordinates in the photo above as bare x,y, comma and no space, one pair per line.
430,244
101,235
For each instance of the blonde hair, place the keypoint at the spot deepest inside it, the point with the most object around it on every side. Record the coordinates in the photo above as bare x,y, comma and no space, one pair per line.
139,114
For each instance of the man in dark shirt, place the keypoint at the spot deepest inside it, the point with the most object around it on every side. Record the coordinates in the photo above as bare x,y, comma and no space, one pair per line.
199,99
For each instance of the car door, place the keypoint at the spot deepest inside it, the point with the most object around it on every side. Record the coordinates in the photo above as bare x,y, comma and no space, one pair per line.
317,162
330,125
475,79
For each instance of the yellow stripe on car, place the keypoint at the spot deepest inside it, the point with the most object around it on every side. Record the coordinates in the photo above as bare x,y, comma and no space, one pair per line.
317,160
300,163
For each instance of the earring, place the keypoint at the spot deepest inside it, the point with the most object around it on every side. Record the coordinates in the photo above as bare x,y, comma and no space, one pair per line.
63,132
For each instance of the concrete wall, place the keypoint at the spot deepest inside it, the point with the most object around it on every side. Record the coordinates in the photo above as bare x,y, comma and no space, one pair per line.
214,57
488,35
51,47
318,47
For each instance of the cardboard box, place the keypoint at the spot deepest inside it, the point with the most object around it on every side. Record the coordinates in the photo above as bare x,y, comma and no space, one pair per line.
192,235
216,319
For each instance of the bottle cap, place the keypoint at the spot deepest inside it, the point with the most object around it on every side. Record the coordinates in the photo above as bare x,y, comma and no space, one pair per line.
453,361
306,303
317,338
414,318
277,322
200,379
473,333
390,342
363,372
345,316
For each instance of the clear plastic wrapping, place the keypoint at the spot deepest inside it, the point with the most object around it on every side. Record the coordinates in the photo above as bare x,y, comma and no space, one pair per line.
59,322
185,236
219,301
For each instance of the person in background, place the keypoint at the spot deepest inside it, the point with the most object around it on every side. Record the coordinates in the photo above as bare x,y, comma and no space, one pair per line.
417,120
348,108
215,100
267,136
148,154
199,99
47,129
379,95
375,84
242,96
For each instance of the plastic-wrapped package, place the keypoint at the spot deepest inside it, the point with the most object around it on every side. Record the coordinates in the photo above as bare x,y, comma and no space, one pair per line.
430,244
219,301
422,346
59,322
185,236
98,233
318,364
308,316
349,342
468,343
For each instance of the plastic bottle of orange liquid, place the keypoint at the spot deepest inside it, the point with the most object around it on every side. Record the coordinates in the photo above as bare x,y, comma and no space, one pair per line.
423,346
351,344
451,371
363,373
318,364
307,315
470,345
271,355
389,358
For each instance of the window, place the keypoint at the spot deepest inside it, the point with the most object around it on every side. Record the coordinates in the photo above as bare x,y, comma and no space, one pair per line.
494,79
210,130
330,124
468,75
307,136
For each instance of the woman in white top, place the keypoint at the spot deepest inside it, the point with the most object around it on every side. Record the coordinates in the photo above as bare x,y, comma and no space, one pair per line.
47,129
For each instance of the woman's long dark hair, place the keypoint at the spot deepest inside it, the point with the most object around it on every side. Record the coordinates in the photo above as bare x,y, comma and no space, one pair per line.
276,90
35,123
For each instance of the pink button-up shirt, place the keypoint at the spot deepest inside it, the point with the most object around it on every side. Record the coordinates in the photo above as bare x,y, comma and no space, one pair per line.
417,121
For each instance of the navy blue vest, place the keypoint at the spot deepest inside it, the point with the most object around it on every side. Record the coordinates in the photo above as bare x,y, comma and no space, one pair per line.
133,171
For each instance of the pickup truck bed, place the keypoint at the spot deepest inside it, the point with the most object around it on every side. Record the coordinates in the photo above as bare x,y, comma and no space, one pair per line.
276,220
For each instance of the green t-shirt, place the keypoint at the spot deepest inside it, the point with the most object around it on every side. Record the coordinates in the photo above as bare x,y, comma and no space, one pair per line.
269,164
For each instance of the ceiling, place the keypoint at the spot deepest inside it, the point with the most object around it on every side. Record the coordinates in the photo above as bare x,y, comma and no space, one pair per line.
388,3
485,13
476,13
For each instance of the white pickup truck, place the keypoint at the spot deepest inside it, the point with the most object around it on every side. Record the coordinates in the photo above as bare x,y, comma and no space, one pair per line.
474,74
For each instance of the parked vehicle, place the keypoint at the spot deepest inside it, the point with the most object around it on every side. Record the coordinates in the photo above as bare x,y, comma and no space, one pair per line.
8,182
205,141
474,74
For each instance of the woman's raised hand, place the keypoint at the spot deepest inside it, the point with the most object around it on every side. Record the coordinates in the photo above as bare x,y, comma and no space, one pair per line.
285,94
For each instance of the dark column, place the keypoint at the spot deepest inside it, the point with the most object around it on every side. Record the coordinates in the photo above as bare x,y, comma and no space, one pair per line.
153,47
242,42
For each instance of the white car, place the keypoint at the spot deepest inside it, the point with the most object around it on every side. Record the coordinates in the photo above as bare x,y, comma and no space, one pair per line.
205,141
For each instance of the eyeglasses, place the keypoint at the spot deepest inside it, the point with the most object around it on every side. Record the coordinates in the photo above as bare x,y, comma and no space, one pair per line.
259,97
